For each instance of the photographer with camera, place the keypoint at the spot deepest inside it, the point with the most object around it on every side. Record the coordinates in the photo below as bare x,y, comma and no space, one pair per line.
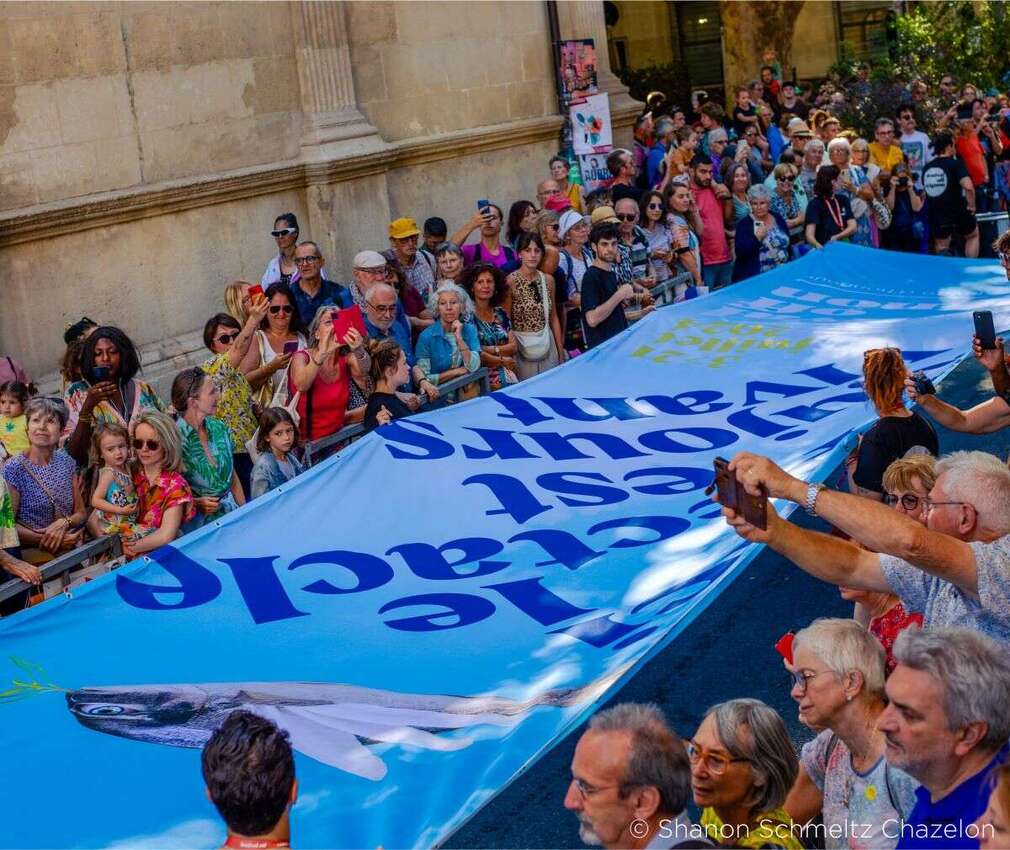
904,202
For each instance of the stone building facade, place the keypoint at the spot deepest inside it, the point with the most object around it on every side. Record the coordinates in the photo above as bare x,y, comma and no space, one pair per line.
146,148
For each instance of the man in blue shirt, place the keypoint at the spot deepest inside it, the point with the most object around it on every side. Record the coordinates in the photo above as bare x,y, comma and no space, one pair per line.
312,290
384,319
946,725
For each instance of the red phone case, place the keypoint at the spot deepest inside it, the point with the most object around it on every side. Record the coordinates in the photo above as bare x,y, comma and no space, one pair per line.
345,320
255,291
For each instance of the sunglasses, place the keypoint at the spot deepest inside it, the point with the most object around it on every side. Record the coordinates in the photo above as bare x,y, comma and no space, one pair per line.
150,445
655,206
627,216
287,231
281,308
909,501
227,339
786,179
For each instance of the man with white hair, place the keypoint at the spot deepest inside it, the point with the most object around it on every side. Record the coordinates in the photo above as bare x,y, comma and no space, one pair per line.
631,782
955,570
946,725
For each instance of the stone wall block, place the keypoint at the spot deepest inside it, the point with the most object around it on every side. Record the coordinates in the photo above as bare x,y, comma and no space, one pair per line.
52,54
372,23
31,121
8,71
274,87
17,182
525,100
90,109
486,106
161,100
217,90
149,37
369,79
66,171
537,64
197,35
118,163
98,39
410,71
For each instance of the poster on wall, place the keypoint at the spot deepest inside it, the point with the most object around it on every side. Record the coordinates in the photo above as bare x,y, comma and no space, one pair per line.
578,69
595,174
591,128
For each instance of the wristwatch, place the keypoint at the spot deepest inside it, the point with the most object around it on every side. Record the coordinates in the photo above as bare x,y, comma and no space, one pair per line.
811,501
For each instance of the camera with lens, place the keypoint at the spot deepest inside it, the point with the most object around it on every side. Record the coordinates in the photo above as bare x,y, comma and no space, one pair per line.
903,182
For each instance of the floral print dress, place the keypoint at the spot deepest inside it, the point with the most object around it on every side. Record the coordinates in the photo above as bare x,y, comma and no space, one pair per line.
208,478
496,333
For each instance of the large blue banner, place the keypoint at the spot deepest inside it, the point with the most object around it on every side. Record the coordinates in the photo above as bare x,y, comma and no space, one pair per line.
430,611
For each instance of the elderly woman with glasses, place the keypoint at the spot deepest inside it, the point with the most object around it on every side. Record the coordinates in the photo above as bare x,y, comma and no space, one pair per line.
207,460
813,159
762,237
742,767
108,391
45,494
907,483
854,185
230,344
897,432
450,347
279,335
282,268
164,496
837,677
786,200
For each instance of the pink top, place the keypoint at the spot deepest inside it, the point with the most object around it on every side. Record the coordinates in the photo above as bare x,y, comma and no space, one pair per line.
714,247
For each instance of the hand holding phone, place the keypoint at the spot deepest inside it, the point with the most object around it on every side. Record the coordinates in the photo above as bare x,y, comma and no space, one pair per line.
100,373
730,493
291,346
255,291
984,329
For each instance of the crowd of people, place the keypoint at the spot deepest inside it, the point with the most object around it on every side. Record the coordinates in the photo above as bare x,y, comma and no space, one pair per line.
907,700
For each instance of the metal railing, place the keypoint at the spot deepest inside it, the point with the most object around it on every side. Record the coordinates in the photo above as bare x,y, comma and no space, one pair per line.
350,433
61,566
665,292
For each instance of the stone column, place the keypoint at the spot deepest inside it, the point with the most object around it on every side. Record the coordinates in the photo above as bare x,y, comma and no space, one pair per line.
584,19
331,115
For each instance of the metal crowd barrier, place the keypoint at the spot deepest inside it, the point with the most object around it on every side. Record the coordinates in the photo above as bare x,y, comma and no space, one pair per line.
352,432
62,565
665,292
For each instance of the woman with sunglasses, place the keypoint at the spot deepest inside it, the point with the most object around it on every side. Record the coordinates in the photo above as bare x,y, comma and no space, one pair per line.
897,433
282,268
207,459
785,199
907,483
837,679
164,497
279,335
230,344
742,767
652,210
108,391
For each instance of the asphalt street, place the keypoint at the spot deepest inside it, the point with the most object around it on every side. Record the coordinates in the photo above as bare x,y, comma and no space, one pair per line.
727,652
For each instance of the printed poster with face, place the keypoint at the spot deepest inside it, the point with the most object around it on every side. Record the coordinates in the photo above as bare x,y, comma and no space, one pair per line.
578,69
592,131
595,174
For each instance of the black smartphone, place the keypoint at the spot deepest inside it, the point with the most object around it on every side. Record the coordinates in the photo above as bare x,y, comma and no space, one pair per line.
101,373
984,329
483,206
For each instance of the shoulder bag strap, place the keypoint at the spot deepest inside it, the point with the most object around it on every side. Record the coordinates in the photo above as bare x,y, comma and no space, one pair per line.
63,514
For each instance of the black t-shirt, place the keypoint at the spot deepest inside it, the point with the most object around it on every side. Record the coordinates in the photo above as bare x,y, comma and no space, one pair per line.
389,401
820,216
890,438
941,181
740,125
597,286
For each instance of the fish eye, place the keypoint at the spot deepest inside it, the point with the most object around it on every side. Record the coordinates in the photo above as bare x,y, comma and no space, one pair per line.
103,710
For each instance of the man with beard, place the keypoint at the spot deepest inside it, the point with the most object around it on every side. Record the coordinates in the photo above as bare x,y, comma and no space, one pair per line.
946,725
631,782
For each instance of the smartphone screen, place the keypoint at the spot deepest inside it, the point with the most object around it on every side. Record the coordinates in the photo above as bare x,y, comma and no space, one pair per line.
291,346
984,329
483,204
101,373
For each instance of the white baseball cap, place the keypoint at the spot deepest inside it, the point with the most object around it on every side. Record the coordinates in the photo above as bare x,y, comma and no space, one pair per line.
369,260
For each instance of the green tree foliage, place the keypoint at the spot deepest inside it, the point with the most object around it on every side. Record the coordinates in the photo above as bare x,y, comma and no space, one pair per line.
672,79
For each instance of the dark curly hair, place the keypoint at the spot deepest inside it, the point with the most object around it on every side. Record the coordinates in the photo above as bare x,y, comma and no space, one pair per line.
469,277
129,360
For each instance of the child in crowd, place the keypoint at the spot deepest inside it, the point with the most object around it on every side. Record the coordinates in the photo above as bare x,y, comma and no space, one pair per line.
13,430
389,371
114,498
277,464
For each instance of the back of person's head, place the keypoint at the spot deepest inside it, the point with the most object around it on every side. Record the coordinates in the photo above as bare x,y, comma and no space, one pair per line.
685,133
218,320
234,294
973,672
824,182
751,730
270,418
981,480
846,647
942,140
884,373
129,360
1002,243
435,226
604,230
385,354
713,110
900,474
167,433
597,198
664,127
615,160
249,770
76,330
656,757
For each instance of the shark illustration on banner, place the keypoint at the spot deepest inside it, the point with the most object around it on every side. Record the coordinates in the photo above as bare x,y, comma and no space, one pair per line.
430,611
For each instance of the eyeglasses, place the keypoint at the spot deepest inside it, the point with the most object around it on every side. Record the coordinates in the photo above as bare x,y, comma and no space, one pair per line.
382,308
377,271
313,258
715,763
553,226
801,677
150,445
909,501
586,790
287,231
627,216
281,308
930,504
228,339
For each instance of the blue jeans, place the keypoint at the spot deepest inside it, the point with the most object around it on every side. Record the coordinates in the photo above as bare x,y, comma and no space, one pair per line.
717,275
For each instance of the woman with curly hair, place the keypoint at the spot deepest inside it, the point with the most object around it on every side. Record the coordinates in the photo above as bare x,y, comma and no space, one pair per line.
897,433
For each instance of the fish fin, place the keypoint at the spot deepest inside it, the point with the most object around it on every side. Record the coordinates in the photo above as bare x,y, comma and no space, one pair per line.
323,742
389,732
415,717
